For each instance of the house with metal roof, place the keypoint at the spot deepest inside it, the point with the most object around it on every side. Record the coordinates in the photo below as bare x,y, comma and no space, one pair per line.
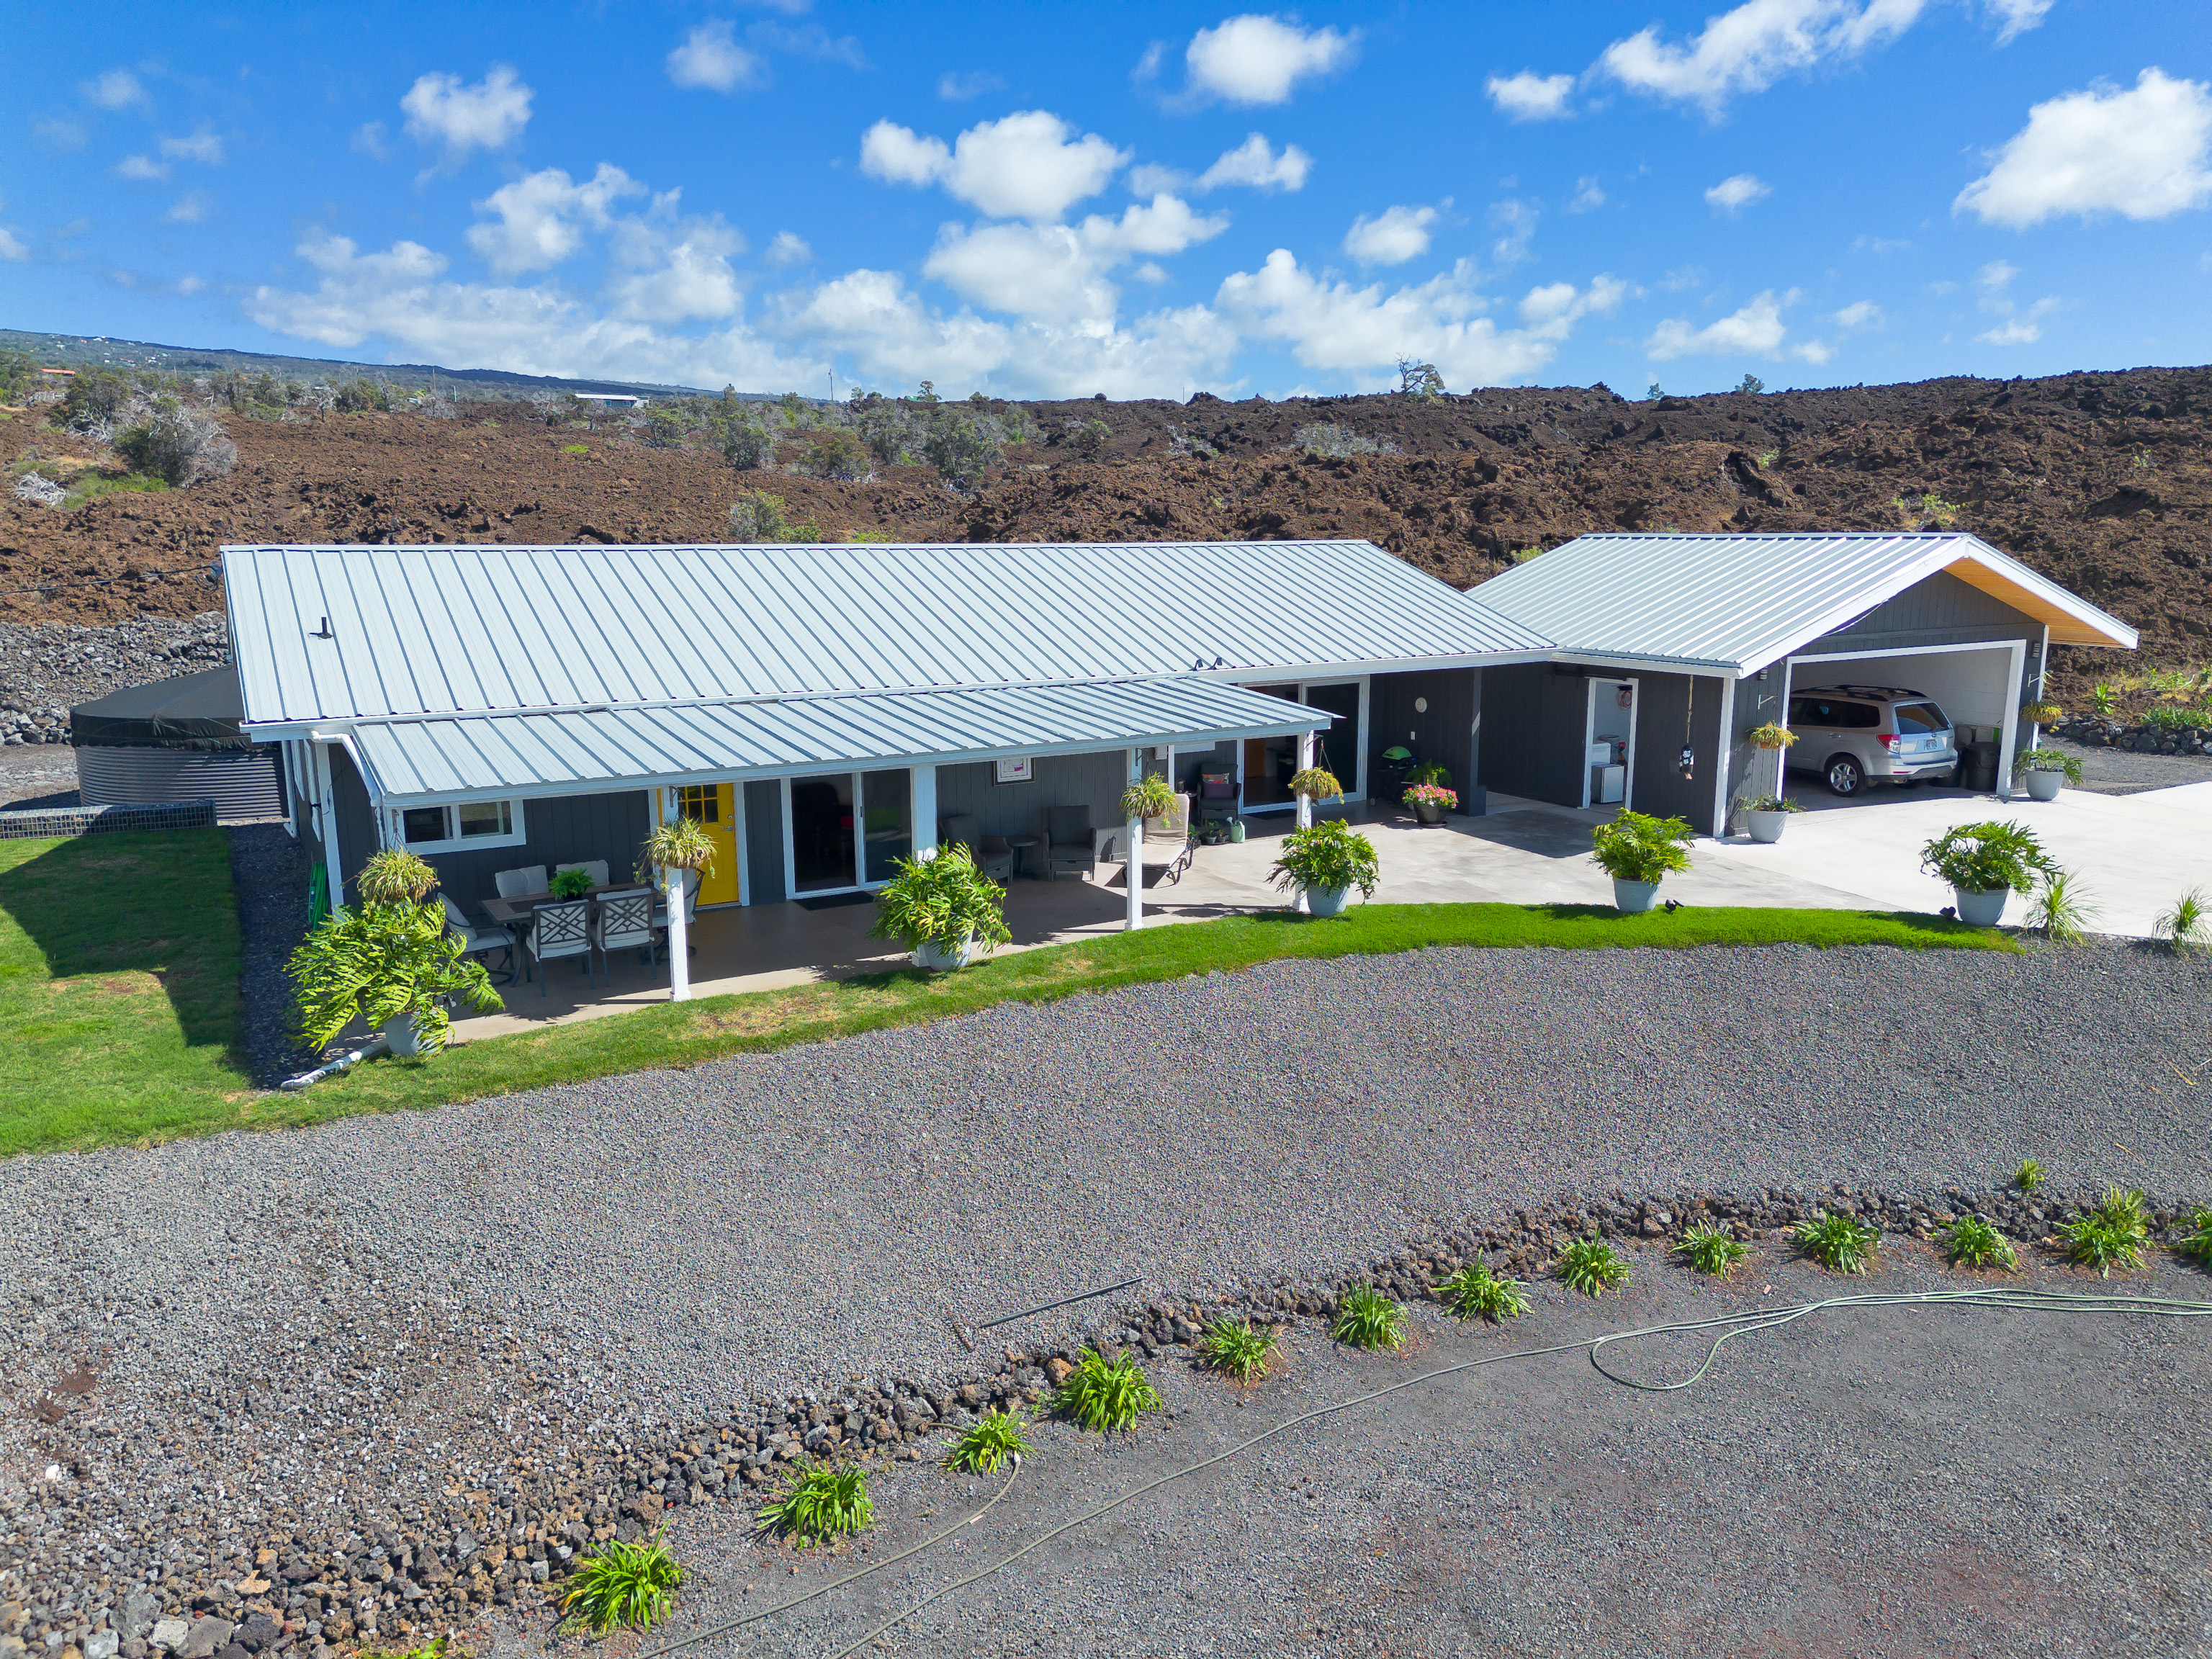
822,708
1670,649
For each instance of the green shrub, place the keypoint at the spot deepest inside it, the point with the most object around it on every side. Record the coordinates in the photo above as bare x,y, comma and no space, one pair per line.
1474,1292
360,395
1365,1318
747,444
1238,1348
836,453
2061,911
962,449
944,901
381,960
2188,924
1971,1241
986,1443
569,883
1711,1249
2029,1176
622,1586
93,396
2197,1242
1328,857
2178,720
759,516
823,1502
1091,438
1981,857
2047,760
1637,847
1106,1394
2113,1233
178,446
1840,1242
1592,1267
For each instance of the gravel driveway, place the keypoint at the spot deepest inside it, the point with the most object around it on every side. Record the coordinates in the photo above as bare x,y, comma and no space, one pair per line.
367,1323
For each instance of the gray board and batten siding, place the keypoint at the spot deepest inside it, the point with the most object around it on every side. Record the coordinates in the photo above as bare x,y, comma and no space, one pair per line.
1535,715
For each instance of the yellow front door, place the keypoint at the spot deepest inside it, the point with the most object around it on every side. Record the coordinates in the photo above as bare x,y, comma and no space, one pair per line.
713,807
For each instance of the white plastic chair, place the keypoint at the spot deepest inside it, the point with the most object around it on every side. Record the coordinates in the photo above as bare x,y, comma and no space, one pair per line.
595,868
526,883
557,931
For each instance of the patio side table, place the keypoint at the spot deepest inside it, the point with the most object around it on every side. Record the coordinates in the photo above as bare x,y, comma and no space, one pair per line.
1021,844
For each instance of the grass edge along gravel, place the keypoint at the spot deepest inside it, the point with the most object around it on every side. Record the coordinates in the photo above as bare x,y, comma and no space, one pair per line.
674,1035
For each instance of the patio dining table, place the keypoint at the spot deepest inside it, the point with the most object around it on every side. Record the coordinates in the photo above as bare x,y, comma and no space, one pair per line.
517,912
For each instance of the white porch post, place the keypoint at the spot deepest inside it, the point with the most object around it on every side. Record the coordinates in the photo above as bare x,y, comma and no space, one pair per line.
1305,761
679,932
925,811
1134,870
327,813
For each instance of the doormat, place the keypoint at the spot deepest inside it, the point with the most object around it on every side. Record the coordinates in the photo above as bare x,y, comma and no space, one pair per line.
836,901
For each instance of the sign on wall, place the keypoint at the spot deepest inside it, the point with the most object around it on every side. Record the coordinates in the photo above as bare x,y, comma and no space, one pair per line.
1017,771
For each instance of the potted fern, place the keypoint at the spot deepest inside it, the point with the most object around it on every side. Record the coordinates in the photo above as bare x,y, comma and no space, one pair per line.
1766,816
388,963
2042,769
1325,863
1985,863
943,909
1149,798
1638,852
1314,784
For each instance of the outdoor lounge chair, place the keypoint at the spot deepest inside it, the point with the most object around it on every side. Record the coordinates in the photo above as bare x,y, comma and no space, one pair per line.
1167,846
1216,795
621,919
595,868
993,856
526,883
475,940
560,930
1069,845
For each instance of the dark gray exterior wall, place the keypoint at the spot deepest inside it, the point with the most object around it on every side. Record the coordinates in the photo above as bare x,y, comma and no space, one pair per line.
1448,732
1939,610
357,836
1670,706
564,829
763,810
1533,717
1095,780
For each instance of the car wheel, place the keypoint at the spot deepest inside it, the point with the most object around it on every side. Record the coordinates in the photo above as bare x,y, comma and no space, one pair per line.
1845,776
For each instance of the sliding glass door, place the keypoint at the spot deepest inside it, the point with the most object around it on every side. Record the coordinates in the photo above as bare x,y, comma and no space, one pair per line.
1341,750
846,830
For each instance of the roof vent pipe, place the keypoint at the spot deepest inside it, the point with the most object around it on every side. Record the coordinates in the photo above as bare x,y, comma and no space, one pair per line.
323,633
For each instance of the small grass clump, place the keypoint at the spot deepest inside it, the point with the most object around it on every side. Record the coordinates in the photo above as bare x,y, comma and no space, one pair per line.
825,1502
1841,1243
1238,1348
1368,1319
623,1586
2188,924
986,1443
1475,1292
1106,1394
2029,1176
2197,1242
1711,1249
2111,1234
1971,1241
1592,1267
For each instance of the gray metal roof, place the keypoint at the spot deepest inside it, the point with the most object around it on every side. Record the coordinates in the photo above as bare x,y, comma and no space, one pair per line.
1736,603
477,628
554,753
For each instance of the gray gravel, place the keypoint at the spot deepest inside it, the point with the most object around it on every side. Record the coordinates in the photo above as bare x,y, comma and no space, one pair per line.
46,669
2125,772
379,1314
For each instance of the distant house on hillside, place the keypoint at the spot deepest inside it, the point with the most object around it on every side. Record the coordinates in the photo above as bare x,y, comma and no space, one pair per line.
610,399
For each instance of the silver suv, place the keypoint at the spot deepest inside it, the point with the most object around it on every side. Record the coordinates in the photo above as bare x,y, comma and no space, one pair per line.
1852,735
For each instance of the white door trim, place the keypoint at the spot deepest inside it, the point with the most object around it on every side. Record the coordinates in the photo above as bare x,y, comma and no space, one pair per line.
1590,683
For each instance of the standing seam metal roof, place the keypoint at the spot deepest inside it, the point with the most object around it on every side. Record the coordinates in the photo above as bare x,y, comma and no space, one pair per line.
1738,602
555,752
477,628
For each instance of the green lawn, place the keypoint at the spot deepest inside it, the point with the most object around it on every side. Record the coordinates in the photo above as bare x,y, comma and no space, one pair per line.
100,1054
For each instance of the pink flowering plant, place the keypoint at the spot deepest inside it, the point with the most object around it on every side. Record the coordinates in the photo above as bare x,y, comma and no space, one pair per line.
1432,794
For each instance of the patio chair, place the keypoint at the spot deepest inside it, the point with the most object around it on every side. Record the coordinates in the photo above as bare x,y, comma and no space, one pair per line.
595,868
659,921
993,856
475,940
1216,795
560,930
1069,845
526,883
625,919
1167,841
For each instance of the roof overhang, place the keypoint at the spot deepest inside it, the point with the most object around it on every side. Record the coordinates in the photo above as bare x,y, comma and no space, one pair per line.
583,751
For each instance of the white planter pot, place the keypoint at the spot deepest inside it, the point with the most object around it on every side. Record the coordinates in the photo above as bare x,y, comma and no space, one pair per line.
1766,828
1326,901
1633,898
930,954
2043,785
401,1036
1981,909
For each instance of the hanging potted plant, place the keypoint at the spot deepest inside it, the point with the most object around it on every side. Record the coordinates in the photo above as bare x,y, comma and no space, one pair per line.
2042,769
943,909
1149,798
388,963
1638,852
1985,863
2041,713
1325,863
1766,816
1314,784
1770,737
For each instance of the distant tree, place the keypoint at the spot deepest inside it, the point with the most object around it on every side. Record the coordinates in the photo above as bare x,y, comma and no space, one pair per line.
928,394
961,449
1654,391
748,445
1751,383
1090,440
361,394
665,427
95,395
1419,379
838,452
18,375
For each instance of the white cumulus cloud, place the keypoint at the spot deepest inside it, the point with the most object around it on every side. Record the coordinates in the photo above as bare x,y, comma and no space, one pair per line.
491,114
193,208
1732,195
710,57
789,248
543,217
1254,165
2144,153
141,168
11,247
2015,17
203,145
1257,59
1030,165
1755,330
1752,46
1860,313
1529,96
1391,237
1061,272
116,88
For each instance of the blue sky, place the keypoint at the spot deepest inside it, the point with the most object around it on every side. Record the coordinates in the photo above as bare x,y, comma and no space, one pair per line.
1141,200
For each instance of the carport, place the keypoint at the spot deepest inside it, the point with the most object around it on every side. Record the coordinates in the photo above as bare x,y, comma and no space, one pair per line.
1697,641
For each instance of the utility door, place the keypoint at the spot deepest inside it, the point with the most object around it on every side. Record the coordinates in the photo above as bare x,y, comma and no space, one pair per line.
713,807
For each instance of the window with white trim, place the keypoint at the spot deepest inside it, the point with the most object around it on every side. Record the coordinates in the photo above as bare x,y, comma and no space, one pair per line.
456,826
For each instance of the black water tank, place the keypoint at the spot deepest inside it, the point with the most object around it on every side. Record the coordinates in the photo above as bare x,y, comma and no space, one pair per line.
1977,768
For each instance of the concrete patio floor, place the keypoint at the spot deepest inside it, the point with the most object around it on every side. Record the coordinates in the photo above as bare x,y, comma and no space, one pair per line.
2135,854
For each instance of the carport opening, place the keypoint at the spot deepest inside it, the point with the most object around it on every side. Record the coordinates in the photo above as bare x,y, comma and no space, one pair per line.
1977,687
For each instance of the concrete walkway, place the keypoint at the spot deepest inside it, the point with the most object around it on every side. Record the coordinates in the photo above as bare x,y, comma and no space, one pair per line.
2135,854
